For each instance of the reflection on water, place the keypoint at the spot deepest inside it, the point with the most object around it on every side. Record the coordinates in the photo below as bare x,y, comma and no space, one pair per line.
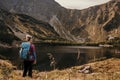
65,56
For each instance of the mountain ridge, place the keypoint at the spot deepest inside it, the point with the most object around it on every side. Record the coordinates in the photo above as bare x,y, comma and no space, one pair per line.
19,25
93,24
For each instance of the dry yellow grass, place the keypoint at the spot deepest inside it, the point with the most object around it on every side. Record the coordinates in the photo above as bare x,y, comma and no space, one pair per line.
103,70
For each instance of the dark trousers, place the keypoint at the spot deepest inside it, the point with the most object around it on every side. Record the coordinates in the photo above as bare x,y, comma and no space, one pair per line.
27,68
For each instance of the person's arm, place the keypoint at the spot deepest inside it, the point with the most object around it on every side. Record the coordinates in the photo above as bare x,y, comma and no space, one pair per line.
34,53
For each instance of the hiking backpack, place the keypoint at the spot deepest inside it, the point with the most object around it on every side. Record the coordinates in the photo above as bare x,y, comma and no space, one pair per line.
25,47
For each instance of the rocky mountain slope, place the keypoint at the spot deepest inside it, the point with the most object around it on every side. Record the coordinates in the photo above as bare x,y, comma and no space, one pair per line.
16,26
93,24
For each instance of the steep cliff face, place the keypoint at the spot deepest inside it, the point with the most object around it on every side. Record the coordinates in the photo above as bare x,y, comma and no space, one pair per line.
92,24
39,9
16,26
6,34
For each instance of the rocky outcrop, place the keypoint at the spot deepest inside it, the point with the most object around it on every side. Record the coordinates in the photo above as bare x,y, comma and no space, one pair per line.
16,26
39,9
60,29
95,23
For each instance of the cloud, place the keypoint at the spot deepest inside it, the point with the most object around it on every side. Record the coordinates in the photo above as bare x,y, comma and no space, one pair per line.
80,4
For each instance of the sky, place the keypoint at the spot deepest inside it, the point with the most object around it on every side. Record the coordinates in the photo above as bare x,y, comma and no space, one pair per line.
80,4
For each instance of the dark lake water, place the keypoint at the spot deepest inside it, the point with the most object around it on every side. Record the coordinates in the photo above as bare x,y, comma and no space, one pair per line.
65,56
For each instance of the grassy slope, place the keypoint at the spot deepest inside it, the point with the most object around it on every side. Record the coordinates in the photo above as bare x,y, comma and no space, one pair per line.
103,70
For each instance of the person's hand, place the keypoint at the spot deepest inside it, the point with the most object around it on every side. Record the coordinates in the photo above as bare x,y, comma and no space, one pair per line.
34,62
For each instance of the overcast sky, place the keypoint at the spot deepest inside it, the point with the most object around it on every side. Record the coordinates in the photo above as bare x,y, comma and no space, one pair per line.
80,4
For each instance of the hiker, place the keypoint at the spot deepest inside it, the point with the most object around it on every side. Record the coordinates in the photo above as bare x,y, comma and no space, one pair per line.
30,58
